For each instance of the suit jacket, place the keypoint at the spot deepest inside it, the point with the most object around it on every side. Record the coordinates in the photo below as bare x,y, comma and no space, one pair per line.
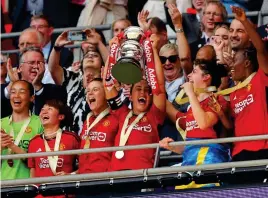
195,46
56,11
50,91
191,25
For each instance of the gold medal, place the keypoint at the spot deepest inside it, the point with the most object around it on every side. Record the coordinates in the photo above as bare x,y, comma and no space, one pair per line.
119,154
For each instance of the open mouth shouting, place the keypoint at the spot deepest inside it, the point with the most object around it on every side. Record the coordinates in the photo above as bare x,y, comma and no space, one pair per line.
17,102
142,100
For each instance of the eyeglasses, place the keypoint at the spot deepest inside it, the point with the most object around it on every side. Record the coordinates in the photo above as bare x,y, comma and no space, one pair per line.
32,63
171,59
212,13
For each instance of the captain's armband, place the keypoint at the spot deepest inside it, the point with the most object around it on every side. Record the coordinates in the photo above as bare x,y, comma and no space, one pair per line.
115,103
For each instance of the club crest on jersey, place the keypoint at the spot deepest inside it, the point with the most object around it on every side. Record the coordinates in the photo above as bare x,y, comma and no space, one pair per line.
106,123
61,147
144,119
28,130
249,87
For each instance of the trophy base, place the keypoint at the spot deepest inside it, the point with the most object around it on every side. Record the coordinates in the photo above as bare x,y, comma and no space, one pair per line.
127,71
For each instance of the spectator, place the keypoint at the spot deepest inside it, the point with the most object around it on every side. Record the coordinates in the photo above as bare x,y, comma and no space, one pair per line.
190,21
54,116
32,69
33,38
21,127
75,83
57,11
42,24
147,114
200,118
249,102
119,26
5,103
213,12
99,130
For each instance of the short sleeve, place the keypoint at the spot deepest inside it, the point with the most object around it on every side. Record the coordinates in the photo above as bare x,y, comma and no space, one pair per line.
31,161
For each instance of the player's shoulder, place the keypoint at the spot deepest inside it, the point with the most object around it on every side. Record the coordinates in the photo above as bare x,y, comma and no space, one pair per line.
71,134
36,138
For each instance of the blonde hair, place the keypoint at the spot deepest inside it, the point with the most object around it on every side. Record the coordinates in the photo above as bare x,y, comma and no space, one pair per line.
125,20
169,46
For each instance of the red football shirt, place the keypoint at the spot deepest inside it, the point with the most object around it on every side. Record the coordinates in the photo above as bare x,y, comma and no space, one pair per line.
191,126
101,135
249,108
144,132
69,141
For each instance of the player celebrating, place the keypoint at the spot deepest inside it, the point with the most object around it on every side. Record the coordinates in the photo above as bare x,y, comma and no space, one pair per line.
21,127
249,101
99,130
139,125
54,115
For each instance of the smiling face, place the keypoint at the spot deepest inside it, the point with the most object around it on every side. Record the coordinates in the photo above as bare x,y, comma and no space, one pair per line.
238,36
92,59
211,15
141,97
29,66
199,78
50,116
238,69
95,95
223,33
20,96
120,26
171,64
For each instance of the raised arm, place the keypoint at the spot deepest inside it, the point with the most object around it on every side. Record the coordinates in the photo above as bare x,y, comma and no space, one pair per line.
159,100
254,37
183,49
203,119
110,90
171,111
54,66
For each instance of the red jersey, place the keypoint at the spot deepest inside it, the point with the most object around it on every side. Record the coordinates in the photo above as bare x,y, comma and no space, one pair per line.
191,126
249,108
101,135
69,141
144,132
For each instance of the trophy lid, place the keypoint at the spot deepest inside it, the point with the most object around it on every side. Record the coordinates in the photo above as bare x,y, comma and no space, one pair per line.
133,33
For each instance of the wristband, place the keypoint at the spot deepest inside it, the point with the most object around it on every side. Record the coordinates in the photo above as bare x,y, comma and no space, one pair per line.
179,30
115,103
57,48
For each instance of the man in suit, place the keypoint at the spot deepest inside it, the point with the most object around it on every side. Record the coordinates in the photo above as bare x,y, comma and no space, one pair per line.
42,24
213,12
57,11
190,20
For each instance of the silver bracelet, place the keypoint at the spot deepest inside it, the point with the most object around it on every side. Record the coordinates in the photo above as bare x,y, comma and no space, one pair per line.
179,30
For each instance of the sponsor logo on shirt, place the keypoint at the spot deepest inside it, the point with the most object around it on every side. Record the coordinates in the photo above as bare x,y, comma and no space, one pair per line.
24,144
146,128
191,125
239,107
62,147
106,123
98,136
44,163
39,150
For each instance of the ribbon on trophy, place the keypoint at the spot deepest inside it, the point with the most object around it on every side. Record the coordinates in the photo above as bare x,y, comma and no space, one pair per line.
150,72
110,81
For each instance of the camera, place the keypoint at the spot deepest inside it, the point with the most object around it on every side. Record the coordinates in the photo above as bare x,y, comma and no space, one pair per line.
77,36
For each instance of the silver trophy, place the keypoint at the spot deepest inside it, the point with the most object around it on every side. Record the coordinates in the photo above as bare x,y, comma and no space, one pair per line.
129,66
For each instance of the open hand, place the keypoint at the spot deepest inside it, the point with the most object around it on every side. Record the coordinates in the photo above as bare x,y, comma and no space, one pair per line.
239,13
62,40
175,15
13,73
37,81
142,20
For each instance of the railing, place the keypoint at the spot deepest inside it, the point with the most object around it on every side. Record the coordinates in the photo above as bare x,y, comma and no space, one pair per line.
131,173
260,15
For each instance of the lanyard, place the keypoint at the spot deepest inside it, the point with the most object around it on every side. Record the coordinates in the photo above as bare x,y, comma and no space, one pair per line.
90,126
53,160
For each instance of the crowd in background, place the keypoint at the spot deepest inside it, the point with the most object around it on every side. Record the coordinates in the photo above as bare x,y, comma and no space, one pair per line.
52,100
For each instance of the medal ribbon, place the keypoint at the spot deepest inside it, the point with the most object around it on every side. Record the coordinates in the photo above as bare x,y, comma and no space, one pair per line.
53,160
22,130
99,117
181,100
150,65
125,134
